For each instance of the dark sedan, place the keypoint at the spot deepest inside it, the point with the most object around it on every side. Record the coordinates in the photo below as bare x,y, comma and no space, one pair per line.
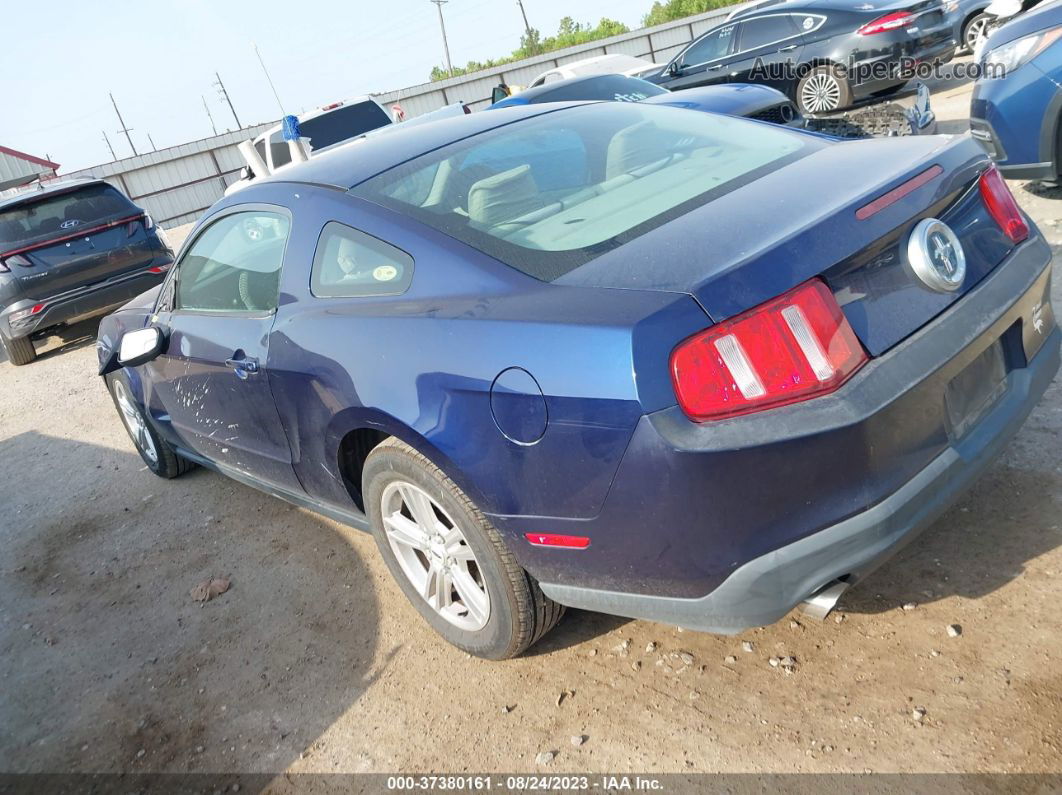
744,99
824,54
610,356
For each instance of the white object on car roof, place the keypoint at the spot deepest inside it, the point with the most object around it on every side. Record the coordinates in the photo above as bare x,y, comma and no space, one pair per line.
323,130
610,64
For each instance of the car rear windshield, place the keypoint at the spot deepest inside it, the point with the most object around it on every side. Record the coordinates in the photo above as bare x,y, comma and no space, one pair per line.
548,194
57,214
331,128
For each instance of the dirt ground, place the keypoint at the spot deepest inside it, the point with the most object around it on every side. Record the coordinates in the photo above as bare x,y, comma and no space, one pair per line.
313,661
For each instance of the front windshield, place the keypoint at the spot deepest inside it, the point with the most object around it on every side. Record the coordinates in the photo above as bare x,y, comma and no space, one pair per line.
547,194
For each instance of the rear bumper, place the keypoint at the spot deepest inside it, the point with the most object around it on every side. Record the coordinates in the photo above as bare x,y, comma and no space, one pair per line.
728,525
83,302
763,590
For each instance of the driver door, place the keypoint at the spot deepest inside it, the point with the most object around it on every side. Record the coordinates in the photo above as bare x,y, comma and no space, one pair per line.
211,383
704,62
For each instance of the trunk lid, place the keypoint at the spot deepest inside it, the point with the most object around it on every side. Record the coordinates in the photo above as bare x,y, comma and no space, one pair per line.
800,222
69,239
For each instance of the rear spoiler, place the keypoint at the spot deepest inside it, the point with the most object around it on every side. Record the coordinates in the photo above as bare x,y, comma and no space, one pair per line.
87,231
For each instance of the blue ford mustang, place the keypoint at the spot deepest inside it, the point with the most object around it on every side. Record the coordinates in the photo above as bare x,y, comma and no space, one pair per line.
670,365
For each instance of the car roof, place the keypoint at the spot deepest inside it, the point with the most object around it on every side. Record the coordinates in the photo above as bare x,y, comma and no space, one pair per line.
61,186
531,93
352,163
782,6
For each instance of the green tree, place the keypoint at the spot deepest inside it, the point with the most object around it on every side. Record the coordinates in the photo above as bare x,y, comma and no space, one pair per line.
668,10
569,33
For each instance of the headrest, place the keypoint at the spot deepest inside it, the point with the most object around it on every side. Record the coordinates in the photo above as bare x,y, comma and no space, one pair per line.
502,197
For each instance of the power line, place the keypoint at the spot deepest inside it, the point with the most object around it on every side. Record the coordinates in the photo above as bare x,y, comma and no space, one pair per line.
124,129
446,44
209,116
268,78
108,140
225,94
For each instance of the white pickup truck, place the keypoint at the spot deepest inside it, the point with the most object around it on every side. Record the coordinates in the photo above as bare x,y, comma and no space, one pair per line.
324,129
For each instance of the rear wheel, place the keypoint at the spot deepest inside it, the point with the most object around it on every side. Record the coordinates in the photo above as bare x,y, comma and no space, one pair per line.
975,28
450,562
19,350
155,451
823,90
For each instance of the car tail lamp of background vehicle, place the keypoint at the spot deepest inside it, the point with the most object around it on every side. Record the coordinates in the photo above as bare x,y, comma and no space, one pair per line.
893,21
792,348
1002,206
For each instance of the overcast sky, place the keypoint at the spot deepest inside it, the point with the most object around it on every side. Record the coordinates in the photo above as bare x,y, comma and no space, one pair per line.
59,58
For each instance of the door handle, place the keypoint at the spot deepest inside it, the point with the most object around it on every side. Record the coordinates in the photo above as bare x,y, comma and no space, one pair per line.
243,367
790,48
713,68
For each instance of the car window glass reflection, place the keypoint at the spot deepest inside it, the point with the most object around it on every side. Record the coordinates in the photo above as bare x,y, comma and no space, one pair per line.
234,266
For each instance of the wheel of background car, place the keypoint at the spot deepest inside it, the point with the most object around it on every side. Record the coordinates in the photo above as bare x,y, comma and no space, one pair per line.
450,562
156,452
823,90
19,350
974,29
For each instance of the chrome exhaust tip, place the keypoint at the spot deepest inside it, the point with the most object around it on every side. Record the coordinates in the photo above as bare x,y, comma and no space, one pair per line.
821,603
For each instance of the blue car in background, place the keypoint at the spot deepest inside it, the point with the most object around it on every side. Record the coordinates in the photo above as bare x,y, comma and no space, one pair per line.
616,356
1016,116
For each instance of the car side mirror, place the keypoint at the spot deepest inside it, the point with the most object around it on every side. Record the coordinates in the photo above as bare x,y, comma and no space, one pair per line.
140,346
673,68
498,94
246,173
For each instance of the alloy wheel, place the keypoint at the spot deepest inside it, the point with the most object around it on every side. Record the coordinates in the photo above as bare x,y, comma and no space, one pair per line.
135,423
974,31
820,93
435,556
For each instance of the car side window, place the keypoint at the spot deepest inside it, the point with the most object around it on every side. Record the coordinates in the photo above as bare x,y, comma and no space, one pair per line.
714,44
351,264
760,32
234,265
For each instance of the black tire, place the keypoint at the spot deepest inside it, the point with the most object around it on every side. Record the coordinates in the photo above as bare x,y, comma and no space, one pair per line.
519,612
165,463
969,31
839,92
19,350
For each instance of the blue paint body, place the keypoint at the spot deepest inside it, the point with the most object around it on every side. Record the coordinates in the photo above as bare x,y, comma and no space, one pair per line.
1017,116
551,404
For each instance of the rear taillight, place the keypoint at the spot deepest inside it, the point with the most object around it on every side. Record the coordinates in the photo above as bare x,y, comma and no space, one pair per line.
792,348
893,21
157,269
131,227
1000,203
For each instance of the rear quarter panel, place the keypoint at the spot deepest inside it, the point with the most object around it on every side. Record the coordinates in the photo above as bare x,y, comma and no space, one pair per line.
420,366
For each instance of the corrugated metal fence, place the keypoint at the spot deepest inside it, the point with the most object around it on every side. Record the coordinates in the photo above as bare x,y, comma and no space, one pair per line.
176,184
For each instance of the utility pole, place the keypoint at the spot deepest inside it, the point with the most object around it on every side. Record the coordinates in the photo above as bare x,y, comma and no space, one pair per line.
108,140
225,94
268,78
207,109
124,129
446,44
523,13
152,142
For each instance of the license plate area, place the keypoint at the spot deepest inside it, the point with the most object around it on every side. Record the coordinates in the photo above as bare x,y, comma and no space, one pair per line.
971,394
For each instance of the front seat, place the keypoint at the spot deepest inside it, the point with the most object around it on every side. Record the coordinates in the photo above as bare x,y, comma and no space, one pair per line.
634,147
494,200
